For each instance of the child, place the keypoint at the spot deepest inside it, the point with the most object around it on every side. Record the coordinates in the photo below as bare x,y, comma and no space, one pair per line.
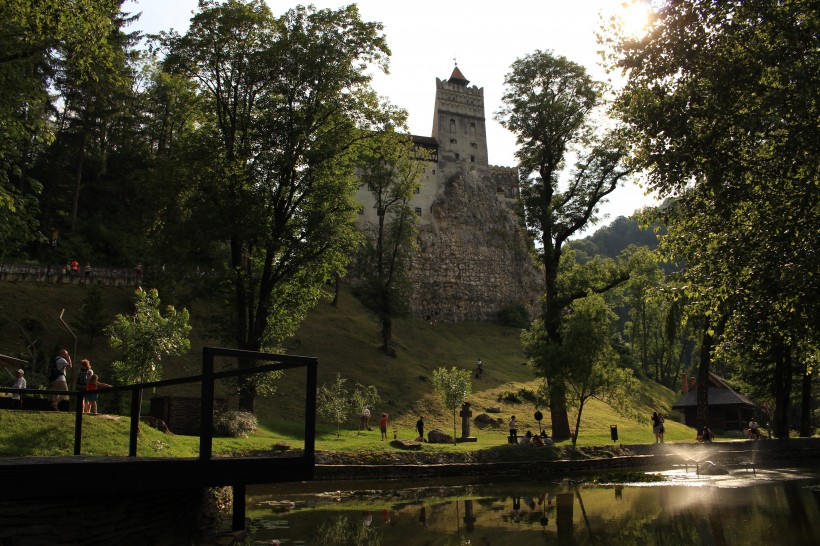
383,426
91,392
82,381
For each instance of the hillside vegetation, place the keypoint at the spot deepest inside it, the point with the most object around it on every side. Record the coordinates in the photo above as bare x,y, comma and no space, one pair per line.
345,340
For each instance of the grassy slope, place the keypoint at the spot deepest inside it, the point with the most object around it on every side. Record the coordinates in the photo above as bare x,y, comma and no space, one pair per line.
345,339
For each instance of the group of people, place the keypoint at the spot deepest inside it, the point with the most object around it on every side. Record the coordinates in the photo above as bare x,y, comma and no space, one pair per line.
365,422
87,382
529,439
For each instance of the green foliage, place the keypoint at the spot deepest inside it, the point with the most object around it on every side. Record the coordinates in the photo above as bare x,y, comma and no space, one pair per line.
335,402
390,173
146,336
454,386
548,104
285,106
341,531
514,315
235,424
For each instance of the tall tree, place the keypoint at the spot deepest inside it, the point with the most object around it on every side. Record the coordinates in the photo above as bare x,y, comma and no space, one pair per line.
721,101
286,101
454,386
391,174
39,41
549,103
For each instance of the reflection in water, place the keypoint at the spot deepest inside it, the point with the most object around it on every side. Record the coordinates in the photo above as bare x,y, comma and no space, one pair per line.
766,508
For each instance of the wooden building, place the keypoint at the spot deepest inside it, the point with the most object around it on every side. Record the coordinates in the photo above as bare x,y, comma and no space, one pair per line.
728,410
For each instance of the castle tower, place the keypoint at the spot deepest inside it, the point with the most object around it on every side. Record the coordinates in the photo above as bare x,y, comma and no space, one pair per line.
458,123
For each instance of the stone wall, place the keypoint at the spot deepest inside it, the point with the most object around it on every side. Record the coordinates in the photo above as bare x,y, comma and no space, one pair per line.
472,259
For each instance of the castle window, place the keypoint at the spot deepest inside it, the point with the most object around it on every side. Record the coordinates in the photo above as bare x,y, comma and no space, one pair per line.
452,126
417,191
473,145
453,141
458,156
361,210
434,171
418,211
472,128
472,159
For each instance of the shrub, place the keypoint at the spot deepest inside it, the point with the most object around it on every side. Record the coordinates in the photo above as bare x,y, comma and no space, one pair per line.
510,397
235,424
514,315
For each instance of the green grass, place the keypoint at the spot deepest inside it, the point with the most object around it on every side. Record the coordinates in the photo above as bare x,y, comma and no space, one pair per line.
344,339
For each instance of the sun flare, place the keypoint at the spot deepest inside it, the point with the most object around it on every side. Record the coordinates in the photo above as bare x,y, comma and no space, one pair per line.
634,17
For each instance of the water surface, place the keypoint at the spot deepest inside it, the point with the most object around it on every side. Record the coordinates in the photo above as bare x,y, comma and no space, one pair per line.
741,508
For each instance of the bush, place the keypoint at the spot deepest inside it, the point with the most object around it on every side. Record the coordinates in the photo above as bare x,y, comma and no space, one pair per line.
234,424
514,315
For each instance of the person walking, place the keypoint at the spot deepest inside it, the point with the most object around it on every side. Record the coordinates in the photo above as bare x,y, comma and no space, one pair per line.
57,377
83,374
365,420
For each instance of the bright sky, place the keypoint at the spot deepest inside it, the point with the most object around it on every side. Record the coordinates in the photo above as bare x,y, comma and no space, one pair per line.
425,36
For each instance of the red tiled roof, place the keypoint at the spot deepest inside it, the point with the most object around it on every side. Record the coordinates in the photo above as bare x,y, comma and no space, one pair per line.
458,77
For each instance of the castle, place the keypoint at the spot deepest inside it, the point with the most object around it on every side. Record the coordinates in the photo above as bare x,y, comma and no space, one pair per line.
472,258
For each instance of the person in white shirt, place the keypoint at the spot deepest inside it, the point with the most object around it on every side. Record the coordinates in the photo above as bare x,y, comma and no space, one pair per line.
20,383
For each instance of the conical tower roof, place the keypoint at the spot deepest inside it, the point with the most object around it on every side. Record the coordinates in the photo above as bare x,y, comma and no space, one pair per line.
458,77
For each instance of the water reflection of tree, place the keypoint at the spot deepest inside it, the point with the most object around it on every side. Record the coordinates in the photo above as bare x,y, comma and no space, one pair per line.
340,531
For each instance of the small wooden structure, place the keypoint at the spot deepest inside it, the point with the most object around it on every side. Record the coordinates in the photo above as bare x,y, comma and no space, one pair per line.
728,410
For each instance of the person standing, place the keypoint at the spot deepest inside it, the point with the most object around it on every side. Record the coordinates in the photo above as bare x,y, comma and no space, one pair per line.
57,377
83,374
92,396
365,420
383,426
420,428
19,383
661,427
656,426
513,430
479,368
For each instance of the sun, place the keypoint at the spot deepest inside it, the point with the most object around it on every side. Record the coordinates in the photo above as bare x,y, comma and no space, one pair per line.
633,17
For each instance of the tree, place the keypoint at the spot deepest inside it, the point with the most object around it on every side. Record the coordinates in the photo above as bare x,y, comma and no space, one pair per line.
721,105
594,373
391,173
286,101
92,318
38,41
147,336
454,386
548,104
335,401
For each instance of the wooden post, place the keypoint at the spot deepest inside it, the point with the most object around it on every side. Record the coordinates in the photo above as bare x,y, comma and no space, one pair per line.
238,512
136,402
78,424
206,404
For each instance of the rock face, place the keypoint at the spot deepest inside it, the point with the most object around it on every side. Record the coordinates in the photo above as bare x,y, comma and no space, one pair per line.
472,259
436,436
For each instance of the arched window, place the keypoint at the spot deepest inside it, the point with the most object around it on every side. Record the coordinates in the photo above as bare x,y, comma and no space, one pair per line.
452,126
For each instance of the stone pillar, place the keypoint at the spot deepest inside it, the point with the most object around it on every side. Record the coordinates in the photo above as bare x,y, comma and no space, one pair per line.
465,424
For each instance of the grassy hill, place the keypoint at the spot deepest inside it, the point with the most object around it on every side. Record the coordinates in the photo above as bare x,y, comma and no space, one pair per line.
345,339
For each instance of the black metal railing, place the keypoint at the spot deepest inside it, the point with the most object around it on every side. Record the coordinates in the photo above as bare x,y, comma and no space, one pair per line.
208,378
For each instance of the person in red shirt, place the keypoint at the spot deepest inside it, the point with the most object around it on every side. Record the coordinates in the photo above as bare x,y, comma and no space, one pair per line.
383,426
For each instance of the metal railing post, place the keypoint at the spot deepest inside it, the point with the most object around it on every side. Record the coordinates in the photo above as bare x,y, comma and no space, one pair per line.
136,402
206,403
78,424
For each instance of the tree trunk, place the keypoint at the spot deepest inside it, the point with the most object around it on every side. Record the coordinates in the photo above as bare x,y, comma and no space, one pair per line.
558,410
782,389
387,335
805,409
703,378
336,292
78,178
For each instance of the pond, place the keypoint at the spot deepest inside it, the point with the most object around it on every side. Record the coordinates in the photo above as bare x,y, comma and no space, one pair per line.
744,507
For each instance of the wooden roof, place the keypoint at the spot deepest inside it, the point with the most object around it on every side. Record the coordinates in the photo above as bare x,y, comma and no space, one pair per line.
720,394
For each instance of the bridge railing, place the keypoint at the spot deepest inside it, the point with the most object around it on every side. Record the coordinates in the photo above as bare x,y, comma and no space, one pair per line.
207,379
